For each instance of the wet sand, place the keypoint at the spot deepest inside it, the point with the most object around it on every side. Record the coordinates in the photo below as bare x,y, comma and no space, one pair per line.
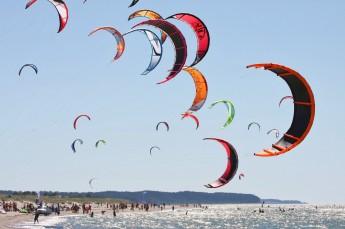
11,218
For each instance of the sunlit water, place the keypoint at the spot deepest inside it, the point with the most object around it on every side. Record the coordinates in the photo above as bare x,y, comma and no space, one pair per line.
218,216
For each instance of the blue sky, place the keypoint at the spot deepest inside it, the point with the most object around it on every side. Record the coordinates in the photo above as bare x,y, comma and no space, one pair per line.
76,76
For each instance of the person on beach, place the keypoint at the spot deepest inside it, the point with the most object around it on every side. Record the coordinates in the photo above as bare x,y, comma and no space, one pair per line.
114,213
36,217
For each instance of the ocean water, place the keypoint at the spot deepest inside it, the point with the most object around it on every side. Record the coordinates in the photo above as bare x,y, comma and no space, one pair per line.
216,216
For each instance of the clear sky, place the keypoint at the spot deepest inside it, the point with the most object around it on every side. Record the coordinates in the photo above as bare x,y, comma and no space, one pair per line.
76,76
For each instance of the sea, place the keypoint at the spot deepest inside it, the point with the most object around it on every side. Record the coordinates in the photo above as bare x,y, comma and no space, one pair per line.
215,216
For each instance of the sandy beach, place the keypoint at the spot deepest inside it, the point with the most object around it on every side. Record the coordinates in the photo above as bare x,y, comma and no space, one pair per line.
20,220
11,218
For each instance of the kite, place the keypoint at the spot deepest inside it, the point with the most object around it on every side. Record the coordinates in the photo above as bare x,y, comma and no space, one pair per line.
165,123
77,118
178,40
100,141
201,89
190,115
149,14
61,8
284,98
118,37
254,123
154,147
231,110
304,109
90,182
200,31
275,131
133,3
232,164
74,142
156,46
28,65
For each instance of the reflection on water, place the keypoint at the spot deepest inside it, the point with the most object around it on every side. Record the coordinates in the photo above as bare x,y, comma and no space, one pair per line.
219,216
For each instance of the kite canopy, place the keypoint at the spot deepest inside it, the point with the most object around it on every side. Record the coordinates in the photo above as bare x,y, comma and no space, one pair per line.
100,141
304,110
28,65
90,182
133,3
232,164
285,98
77,119
230,108
60,7
200,31
201,88
190,115
74,144
156,46
178,40
164,123
118,37
254,123
154,147
276,131
149,14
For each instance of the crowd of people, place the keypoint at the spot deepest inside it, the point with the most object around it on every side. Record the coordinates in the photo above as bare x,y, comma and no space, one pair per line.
9,206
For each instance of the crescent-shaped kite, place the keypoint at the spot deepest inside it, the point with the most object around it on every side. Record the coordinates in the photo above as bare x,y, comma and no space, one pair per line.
100,141
231,167
190,115
28,65
165,123
231,110
200,31
178,40
77,119
118,37
149,14
154,147
276,131
304,109
90,182
156,46
285,98
61,8
201,88
74,142
240,176
133,3
254,123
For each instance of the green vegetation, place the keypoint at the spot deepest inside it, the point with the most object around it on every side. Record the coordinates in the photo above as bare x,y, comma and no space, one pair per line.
55,197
